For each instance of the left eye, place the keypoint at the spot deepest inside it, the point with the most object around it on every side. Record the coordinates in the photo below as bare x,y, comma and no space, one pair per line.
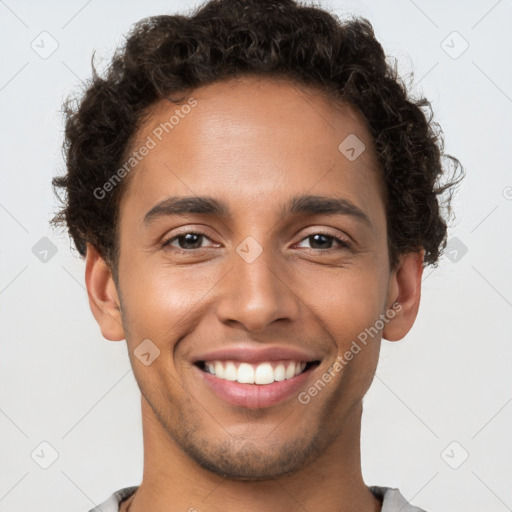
324,239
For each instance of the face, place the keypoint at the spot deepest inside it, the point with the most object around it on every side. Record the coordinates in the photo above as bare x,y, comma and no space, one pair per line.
270,270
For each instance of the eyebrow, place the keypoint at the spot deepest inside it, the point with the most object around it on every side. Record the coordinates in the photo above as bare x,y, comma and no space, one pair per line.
297,205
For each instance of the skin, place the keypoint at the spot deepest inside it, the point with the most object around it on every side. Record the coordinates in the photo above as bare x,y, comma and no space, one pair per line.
253,143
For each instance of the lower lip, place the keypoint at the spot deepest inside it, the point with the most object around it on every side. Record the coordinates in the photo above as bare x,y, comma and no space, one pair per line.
255,396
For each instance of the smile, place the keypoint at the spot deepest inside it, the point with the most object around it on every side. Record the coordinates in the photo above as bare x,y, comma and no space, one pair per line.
263,373
255,385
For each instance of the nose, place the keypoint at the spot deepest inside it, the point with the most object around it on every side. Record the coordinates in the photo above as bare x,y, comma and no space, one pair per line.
256,294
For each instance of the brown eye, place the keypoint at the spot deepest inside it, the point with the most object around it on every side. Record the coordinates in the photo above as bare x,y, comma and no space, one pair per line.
186,241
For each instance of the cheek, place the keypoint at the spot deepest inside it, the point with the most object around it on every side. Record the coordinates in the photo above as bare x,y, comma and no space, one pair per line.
159,299
347,302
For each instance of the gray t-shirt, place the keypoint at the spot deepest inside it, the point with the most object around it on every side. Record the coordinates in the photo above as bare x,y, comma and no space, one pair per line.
392,500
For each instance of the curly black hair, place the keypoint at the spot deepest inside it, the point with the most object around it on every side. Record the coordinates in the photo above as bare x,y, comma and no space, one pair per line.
168,55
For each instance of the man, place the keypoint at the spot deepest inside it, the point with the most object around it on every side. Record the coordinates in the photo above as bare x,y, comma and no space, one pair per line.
255,197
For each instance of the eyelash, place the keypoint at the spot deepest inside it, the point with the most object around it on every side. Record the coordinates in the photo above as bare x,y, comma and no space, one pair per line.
344,244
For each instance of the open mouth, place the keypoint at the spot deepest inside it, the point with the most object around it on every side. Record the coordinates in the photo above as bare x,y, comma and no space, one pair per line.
262,373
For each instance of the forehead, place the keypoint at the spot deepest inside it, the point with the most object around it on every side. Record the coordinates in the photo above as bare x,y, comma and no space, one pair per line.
249,139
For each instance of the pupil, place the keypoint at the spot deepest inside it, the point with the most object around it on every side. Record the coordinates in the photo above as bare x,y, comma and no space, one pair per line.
316,237
188,239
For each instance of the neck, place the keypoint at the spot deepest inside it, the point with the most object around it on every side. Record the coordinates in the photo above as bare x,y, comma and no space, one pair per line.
173,482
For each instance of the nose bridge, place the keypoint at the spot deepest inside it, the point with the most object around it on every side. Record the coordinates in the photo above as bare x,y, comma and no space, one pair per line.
255,292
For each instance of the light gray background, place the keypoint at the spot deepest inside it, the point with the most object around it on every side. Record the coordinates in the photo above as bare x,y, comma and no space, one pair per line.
449,380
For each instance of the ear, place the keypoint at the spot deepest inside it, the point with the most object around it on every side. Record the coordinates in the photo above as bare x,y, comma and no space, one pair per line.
404,289
103,297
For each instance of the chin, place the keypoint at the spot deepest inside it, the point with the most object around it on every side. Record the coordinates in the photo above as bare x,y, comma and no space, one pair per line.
247,461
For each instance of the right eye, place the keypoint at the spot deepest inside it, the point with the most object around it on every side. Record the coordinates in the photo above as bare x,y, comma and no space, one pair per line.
186,241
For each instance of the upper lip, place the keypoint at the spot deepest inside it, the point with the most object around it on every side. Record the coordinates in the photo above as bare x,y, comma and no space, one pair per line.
250,354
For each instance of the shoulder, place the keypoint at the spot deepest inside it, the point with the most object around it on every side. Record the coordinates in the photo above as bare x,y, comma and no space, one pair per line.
392,500
112,503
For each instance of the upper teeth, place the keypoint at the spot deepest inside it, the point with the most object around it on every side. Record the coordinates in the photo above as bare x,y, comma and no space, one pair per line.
262,373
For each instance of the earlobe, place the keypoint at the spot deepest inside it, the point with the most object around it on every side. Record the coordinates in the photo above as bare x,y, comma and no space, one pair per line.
404,289
103,296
